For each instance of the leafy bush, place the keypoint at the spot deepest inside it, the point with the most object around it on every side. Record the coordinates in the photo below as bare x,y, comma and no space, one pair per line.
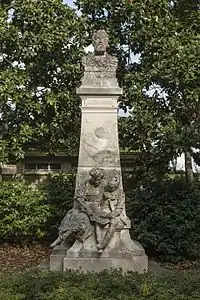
45,285
23,212
28,214
165,215
166,218
59,190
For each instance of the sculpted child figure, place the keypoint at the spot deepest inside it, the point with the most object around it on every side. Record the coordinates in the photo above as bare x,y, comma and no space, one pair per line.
113,202
86,214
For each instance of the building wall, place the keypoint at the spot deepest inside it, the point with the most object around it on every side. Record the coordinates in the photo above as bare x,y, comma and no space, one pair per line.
36,166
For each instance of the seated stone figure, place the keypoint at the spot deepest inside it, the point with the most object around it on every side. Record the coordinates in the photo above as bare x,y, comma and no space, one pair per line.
113,203
81,220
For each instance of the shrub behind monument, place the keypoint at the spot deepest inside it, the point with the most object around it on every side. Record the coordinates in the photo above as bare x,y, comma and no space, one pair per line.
165,215
166,218
23,212
27,214
59,190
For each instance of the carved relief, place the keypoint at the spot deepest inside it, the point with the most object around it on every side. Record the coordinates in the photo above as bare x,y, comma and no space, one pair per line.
99,202
101,147
96,141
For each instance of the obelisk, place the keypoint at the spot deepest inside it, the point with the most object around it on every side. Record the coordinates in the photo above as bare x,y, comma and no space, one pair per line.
107,244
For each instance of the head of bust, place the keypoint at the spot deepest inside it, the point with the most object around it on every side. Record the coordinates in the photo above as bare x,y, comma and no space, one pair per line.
100,42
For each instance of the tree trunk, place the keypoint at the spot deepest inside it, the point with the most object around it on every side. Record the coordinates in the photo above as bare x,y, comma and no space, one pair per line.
1,175
188,168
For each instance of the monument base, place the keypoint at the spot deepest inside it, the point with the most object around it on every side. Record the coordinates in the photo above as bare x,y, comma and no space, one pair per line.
137,264
121,253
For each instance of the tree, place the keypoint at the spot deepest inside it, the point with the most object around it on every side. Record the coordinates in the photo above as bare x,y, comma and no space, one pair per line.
41,48
162,88
172,61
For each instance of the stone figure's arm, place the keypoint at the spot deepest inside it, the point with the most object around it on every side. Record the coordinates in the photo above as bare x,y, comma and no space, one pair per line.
81,192
120,205
85,207
80,195
80,199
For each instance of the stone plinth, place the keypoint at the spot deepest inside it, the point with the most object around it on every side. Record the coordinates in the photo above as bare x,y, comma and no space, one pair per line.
137,264
121,253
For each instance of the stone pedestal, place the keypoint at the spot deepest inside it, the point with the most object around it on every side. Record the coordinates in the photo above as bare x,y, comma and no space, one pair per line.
99,149
137,264
99,146
121,253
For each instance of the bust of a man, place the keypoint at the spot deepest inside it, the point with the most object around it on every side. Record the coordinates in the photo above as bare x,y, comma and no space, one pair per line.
100,67
100,42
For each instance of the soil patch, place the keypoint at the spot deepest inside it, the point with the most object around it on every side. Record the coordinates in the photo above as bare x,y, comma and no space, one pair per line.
16,258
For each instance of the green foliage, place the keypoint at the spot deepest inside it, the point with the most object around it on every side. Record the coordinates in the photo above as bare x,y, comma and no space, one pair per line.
166,219
41,45
23,212
162,85
59,190
45,285
28,214
165,215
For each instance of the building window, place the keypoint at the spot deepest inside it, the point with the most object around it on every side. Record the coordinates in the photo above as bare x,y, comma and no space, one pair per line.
54,166
30,166
42,166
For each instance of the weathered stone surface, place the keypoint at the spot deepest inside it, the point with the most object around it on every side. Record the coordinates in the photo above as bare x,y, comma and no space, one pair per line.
94,235
100,67
137,264
105,92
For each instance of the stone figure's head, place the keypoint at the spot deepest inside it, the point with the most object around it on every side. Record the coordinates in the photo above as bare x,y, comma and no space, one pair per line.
113,183
97,175
100,42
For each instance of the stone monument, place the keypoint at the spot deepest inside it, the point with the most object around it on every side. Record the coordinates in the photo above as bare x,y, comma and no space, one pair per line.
94,234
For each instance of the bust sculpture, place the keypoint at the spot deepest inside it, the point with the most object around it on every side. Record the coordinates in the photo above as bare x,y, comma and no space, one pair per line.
100,67
100,42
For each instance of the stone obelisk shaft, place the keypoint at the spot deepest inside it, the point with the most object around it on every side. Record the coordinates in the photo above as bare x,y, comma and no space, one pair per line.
99,146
